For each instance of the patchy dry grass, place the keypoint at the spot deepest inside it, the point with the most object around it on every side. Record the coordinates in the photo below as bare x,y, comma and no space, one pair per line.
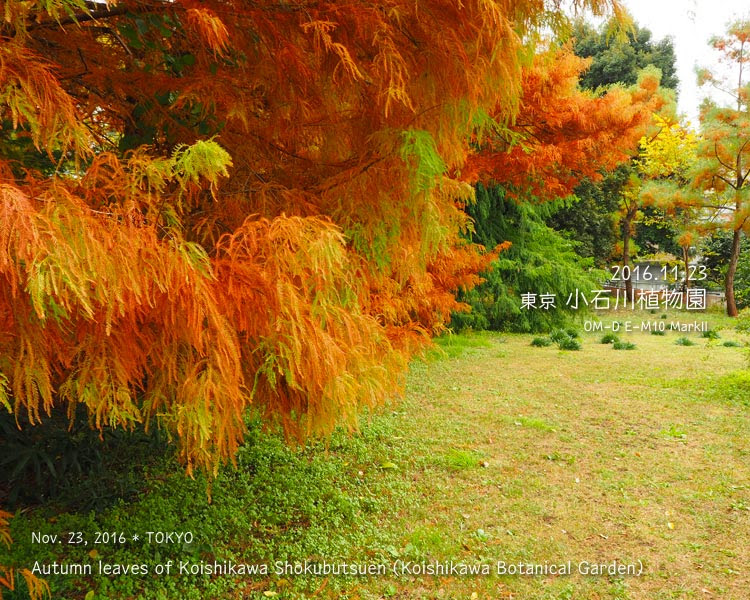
523,454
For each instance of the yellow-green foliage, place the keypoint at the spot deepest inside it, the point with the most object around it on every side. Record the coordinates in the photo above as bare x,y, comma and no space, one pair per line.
672,150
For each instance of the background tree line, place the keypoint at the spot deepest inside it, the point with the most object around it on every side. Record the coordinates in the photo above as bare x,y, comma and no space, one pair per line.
662,202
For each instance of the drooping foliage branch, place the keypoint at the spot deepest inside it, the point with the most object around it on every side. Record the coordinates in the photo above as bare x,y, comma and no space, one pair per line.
562,133
37,588
539,261
208,205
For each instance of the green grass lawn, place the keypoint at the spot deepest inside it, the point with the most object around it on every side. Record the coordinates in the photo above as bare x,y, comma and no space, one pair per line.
500,452
592,455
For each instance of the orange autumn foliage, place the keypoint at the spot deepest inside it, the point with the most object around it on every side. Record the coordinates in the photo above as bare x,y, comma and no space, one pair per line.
37,588
563,134
213,205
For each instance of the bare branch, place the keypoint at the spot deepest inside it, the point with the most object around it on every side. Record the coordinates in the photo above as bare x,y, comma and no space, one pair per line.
721,162
740,177
727,181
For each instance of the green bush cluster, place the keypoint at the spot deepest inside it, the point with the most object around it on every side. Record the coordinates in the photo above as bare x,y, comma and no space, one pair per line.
619,345
279,503
80,468
566,339
731,344
569,344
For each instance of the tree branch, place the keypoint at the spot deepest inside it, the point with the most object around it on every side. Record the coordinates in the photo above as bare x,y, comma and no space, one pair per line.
97,15
740,177
725,180
721,89
721,162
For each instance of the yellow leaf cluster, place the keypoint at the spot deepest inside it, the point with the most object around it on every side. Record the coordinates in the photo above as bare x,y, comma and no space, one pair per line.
671,151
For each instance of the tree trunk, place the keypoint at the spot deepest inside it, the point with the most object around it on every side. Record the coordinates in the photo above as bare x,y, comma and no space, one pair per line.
731,270
626,236
626,261
686,262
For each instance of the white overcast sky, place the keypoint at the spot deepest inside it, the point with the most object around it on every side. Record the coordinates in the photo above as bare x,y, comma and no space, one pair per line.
690,23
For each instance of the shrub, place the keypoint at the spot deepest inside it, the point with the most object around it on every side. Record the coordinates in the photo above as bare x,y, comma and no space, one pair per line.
573,333
569,344
558,335
76,465
541,342
731,344
683,341
539,259
609,338
663,316
623,345
658,332
710,334
743,321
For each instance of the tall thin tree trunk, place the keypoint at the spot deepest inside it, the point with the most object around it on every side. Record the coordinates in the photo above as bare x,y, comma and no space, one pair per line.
626,236
731,270
686,262
626,262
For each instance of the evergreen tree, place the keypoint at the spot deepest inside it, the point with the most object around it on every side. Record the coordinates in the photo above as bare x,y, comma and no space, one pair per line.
618,59
539,261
